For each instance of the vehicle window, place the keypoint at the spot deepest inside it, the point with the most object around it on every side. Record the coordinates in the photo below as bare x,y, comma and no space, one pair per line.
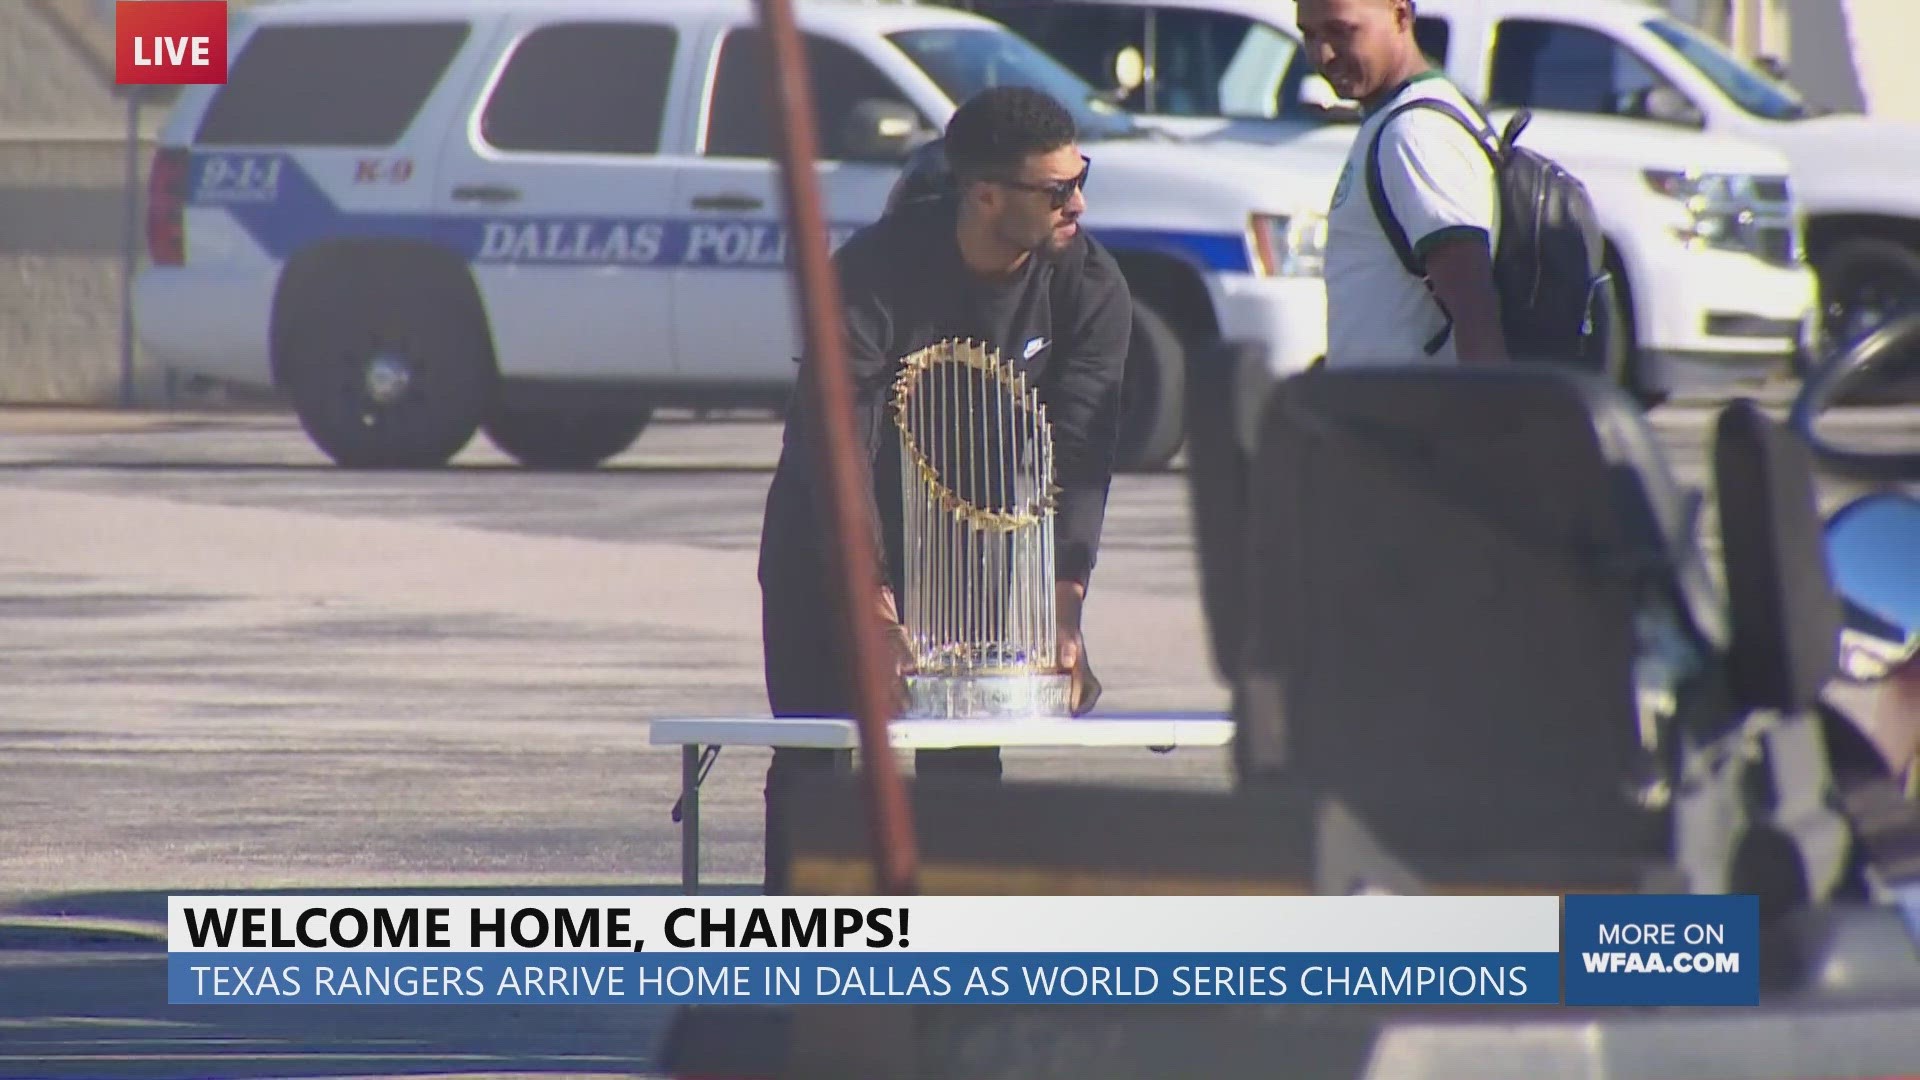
962,61
1212,63
1098,41
1549,65
326,85
741,123
584,88
1433,35
1746,85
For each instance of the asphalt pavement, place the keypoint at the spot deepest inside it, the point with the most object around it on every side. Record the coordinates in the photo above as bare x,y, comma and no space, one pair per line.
231,666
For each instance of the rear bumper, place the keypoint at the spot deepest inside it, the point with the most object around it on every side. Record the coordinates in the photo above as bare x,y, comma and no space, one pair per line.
215,326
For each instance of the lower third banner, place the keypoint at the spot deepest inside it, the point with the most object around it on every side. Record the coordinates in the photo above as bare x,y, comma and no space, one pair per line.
1012,950
803,979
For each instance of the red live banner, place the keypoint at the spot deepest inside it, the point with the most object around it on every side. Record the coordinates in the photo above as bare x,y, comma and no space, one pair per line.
170,42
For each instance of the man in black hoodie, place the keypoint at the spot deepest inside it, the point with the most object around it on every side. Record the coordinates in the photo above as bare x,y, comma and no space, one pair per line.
1002,260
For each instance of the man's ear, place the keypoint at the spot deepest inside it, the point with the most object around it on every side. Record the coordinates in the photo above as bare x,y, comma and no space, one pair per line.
979,194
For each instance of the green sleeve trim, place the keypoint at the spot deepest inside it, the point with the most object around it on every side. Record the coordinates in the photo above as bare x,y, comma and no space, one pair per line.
1450,232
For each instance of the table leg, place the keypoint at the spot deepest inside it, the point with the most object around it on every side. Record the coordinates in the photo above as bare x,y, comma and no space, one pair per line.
690,819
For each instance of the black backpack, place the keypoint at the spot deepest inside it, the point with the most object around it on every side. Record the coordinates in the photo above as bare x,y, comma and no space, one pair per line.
1549,268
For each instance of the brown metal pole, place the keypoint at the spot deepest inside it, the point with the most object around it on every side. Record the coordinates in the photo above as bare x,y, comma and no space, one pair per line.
854,558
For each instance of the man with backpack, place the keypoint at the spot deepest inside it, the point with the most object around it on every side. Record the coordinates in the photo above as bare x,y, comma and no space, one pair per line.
1446,242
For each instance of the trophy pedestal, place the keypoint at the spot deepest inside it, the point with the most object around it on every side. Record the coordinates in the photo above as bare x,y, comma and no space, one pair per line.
1011,696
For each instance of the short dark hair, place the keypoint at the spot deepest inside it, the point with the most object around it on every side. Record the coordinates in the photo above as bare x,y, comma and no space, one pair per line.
996,130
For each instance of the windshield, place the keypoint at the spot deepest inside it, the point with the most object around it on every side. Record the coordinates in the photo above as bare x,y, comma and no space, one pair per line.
963,61
1749,88
1250,81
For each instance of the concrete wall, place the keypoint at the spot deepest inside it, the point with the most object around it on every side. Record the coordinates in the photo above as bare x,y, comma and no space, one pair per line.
1849,55
62,238
63,220
1881,35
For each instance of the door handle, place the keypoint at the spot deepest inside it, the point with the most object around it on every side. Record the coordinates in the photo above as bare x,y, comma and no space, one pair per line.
486,193
728,202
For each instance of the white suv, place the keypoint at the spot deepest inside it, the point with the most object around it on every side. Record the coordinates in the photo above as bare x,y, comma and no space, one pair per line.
547,218
1701,227
1852,175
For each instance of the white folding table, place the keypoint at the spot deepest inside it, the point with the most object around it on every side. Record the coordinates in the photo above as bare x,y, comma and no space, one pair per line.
700,739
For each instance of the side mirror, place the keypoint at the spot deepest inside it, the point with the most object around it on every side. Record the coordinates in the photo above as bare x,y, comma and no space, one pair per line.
879,130
1318,94
1873,551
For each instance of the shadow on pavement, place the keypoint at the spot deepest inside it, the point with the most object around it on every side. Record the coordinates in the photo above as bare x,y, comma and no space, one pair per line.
83,993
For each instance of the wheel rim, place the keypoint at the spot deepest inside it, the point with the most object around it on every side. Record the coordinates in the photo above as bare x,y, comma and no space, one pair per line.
387,376
381,387
375,403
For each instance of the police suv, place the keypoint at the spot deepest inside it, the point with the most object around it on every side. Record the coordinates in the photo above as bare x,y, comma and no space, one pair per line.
545,219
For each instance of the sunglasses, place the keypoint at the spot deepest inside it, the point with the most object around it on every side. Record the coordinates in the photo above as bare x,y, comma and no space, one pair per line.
1060,192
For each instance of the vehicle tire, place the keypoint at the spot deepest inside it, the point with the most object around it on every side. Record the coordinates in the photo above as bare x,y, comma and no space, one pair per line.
1218,464
1152,413
1627,364
388,367
1640,381
564,439
1864,283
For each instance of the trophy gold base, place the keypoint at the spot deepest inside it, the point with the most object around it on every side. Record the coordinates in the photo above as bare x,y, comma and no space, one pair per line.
1013,696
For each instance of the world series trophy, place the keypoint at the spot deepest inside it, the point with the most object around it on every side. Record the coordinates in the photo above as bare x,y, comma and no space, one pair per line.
978,504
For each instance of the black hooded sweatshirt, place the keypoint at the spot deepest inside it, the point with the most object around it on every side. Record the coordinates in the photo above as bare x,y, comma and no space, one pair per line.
1064,319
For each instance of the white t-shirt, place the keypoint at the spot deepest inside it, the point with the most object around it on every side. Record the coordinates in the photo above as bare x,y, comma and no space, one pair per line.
1439,183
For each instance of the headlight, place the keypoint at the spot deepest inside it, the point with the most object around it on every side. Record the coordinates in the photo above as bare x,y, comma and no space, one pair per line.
1289,245
1733,212
1717,187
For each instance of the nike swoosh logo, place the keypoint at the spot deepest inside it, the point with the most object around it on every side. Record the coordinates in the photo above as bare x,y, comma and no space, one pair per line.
1034,346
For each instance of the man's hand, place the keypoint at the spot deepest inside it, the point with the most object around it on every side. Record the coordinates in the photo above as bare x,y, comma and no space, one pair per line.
1071,648
899,642
898,645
